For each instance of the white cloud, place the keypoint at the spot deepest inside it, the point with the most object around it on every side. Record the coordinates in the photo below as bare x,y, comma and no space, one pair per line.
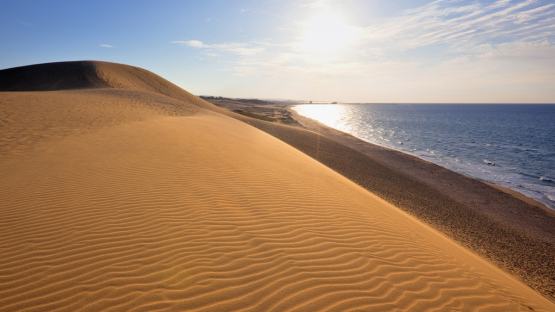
106,46
319,4
236,48
192,43
25,23
445,22
498,4
533,14
243,51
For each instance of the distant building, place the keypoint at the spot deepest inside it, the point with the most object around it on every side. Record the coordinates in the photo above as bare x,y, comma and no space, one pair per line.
309,102
333,102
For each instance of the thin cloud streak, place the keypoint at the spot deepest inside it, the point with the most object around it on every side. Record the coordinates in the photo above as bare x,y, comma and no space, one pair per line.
319,4
437,23
529,15
236,48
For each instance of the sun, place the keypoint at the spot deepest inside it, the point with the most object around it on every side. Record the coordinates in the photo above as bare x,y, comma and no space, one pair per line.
328,32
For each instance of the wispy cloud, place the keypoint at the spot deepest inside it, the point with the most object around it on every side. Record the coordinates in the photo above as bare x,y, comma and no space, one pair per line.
318,4
236,48
449,23
25,23
533,14
192,43
498,4
106,46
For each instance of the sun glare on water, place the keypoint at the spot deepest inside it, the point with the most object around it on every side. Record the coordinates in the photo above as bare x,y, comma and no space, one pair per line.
328,32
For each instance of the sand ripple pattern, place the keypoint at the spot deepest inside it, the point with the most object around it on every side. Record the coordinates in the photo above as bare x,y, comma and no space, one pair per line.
205,213
30,118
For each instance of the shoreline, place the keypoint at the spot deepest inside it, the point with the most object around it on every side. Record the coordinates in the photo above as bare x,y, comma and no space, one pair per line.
522,197
352,141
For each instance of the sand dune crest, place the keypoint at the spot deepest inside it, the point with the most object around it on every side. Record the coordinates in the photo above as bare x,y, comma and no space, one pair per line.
91,75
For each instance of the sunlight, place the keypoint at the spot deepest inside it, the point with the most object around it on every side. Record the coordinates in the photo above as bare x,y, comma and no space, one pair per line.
328,32
330,115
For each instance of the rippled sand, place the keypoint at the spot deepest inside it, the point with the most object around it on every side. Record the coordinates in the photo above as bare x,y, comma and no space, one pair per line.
131,200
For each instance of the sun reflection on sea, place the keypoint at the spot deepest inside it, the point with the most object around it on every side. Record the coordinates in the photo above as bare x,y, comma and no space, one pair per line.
328,114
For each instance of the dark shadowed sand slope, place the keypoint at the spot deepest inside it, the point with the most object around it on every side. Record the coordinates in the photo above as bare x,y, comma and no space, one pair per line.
121,192
91,75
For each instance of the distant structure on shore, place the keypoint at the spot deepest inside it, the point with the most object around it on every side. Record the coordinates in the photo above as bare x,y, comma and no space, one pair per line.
250,101
311,102
254,101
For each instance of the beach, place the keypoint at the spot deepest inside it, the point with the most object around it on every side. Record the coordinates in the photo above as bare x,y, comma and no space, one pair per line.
121,191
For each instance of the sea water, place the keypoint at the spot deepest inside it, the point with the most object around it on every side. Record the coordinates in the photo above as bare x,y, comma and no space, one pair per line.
512,145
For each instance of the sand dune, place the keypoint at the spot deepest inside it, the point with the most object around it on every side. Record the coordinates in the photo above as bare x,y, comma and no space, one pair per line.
90,75
118,199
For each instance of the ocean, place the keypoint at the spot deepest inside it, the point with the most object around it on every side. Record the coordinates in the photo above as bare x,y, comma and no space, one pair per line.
512,145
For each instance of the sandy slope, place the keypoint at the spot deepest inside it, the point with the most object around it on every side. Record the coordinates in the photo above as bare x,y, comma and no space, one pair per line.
130,200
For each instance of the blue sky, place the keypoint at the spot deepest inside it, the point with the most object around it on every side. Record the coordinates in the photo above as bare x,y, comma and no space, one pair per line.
337,50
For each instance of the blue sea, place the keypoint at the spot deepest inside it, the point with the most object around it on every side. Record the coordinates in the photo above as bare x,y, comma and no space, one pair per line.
512,145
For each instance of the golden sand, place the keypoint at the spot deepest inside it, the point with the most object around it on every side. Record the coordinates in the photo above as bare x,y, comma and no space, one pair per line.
130,200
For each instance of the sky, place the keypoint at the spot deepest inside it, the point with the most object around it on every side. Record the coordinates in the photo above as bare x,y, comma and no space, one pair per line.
356,51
